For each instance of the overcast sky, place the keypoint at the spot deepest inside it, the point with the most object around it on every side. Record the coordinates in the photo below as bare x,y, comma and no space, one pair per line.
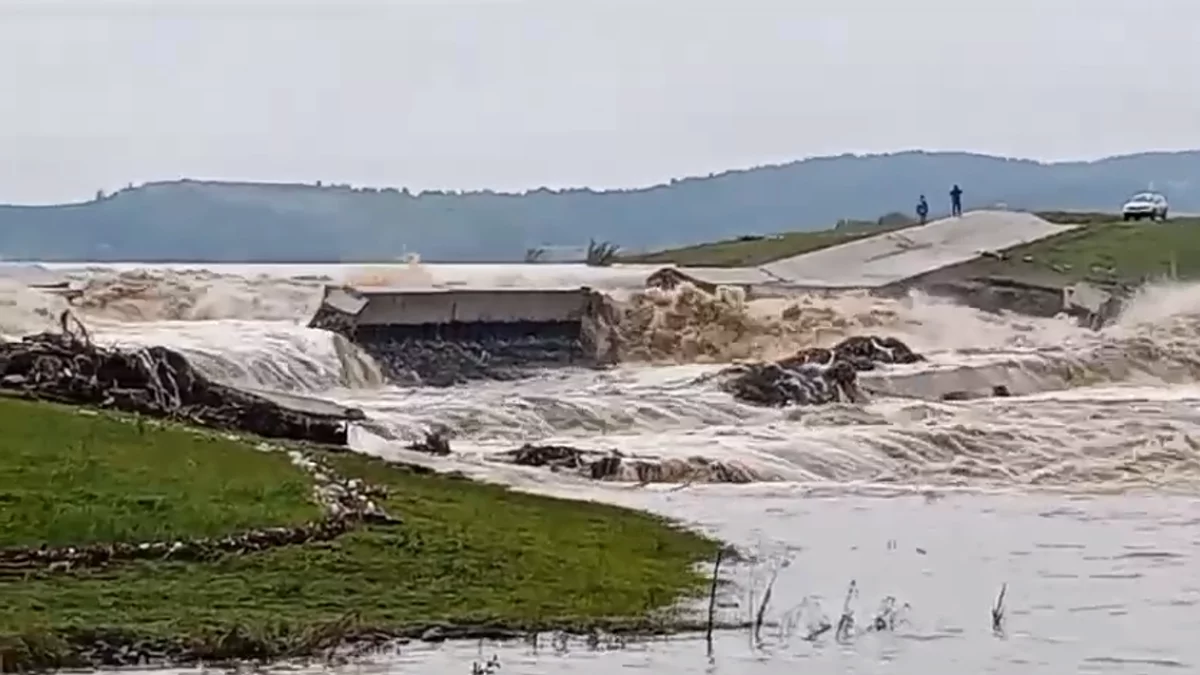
513,94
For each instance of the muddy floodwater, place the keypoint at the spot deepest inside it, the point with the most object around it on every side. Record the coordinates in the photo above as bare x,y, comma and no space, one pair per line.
1097,584
1076,494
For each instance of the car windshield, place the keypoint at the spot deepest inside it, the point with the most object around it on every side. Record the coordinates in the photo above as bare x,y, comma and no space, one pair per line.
1144,197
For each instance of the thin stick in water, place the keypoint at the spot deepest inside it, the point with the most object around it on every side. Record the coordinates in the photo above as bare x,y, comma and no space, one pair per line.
712,599
998,611
762,609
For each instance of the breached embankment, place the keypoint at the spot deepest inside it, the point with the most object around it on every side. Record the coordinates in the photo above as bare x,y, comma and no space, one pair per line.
967,414
521,331
655,415
423,336
442,337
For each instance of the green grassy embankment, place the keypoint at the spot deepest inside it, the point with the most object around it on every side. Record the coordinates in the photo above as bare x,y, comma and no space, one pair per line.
466,554
751,251
1103,248
1114,251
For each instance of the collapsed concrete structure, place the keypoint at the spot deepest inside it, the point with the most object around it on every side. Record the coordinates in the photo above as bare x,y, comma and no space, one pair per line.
37,277
443,336
754,281
448,335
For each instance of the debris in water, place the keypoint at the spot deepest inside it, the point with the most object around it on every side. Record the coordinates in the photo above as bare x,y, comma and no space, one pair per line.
615,466
998,391
436,443
862,352
998,612
155,381
490,668
815,376
712,599
845,625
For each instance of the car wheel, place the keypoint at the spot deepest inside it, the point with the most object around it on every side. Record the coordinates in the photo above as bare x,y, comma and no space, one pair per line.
1126,216
1164,215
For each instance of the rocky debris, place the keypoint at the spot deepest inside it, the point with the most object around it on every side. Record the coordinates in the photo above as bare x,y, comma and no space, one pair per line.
998,391
604,465
615,466
862,352
68,368
344,498
20,560
435,443
780,384
443,363
814,376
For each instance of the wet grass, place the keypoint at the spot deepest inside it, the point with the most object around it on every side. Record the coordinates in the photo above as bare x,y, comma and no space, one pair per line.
465,554
68,478
751,251
1117,251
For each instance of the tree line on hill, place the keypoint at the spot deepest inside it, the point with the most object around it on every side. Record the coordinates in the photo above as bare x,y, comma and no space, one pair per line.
190,220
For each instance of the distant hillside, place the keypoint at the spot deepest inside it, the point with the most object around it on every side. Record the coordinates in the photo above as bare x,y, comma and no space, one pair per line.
215,221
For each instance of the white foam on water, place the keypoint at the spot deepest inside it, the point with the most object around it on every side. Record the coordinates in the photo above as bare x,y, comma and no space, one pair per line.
256,354
1093,408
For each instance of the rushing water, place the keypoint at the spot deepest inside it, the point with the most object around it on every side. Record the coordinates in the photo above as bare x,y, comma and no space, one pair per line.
1076,493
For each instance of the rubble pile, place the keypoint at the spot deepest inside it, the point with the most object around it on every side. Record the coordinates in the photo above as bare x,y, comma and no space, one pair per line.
17,560
814,376
444,363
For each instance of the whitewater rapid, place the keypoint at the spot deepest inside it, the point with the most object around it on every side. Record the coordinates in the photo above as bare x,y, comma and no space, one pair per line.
1092,411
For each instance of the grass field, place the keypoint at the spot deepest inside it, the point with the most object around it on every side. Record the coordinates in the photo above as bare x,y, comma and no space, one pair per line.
1103,248
1120,251
69,478
747,252
466,553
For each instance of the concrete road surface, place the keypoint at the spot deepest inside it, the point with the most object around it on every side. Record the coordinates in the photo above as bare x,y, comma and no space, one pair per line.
894,256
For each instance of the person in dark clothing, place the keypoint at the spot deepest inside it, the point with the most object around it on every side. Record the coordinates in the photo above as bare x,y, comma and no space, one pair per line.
922,209
956,200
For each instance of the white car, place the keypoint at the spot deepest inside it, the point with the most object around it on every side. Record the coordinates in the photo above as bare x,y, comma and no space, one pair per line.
1150,205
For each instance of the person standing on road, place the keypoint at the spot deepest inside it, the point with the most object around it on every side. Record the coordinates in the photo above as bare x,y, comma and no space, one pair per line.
922,209
956,200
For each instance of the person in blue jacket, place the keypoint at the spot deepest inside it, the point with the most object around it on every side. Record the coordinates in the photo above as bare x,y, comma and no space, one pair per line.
922,209
956,200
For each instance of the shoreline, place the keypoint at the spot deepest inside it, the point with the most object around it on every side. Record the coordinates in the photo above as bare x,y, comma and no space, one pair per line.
333,642
418,556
